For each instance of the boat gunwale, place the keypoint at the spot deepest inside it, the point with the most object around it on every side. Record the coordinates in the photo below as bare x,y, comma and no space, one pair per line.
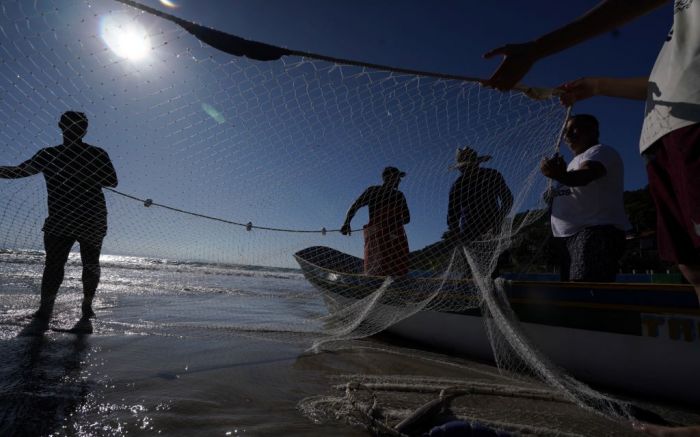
574,287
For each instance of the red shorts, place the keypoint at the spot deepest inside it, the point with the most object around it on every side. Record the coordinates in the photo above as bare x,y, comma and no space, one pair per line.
674,182
386,250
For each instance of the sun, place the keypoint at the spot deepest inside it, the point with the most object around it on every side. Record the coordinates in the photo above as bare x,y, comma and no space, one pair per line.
125,37
168,3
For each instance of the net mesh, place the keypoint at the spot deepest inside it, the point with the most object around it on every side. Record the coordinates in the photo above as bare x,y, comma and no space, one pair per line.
224,159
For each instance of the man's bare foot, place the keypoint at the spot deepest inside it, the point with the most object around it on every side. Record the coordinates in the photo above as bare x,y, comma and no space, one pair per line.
84,326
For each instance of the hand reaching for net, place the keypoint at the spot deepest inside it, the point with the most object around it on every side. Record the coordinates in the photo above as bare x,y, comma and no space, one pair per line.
578,89
517,61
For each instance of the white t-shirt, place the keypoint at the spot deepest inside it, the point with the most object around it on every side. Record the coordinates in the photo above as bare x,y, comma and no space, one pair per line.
598,203
673,95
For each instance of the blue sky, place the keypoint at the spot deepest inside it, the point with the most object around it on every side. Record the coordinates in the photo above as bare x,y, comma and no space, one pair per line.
199,130
450,37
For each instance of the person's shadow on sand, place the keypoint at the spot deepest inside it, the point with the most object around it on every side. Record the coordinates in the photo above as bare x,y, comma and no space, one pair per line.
40,383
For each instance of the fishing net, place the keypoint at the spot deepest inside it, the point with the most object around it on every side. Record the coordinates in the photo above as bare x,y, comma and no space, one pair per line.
232,153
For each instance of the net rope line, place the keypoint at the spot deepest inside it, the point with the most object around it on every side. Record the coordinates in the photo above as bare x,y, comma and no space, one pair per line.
249,226
267,52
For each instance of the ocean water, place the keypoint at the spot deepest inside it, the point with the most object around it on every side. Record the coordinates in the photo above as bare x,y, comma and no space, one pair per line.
183,349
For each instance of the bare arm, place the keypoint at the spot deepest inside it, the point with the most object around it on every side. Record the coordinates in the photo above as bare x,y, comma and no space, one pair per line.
359,203
627,88
588,172
27,168
405,213
107,174
606,16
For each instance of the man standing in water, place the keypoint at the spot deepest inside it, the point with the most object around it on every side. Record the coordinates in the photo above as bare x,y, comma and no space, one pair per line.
386,245
588,213
75,173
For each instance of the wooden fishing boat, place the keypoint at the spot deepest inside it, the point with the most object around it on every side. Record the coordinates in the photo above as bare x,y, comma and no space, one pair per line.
640,338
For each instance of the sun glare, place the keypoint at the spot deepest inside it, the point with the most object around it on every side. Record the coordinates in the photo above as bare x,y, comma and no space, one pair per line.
125,37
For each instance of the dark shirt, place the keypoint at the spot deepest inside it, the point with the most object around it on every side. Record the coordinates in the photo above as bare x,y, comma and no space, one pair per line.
479,200
75,175
387,206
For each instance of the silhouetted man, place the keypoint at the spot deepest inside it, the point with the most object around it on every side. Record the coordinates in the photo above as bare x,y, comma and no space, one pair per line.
75,173
386,246
479,199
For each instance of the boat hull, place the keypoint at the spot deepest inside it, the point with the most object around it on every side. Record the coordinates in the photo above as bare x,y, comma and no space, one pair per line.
638,338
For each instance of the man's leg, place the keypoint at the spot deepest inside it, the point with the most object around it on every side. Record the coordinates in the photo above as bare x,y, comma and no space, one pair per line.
90,256
674,183
57,249
595,253
692,274
560,247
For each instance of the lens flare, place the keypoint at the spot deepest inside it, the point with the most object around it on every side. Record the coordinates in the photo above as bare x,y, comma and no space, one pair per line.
213,113
168,3
125,37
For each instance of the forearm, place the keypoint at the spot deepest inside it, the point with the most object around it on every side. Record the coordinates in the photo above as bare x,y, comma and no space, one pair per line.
605,17
349,215
575,178
628,88
12,173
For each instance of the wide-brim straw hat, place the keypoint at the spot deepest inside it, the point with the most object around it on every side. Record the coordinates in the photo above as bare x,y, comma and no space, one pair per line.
465,156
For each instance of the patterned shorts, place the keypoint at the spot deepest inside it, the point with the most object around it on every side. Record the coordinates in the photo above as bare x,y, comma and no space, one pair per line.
592,254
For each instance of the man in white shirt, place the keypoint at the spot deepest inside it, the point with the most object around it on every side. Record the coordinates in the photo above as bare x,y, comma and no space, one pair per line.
670,135
671,132
588,213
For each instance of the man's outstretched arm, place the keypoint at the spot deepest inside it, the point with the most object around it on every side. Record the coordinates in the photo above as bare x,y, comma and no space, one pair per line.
27,168
624,87
361,201
606,16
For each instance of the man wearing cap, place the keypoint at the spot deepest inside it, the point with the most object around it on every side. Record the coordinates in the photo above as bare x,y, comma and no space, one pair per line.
479,199
75,174
386,245
588,213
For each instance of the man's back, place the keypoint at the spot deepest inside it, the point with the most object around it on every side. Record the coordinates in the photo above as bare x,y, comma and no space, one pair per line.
75,175
387,206
476,199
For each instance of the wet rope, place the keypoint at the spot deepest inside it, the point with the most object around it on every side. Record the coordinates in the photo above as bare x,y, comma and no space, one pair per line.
248,226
